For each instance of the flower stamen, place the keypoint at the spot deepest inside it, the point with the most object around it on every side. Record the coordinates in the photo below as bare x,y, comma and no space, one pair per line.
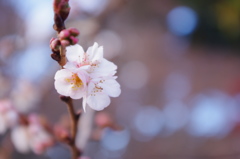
75,81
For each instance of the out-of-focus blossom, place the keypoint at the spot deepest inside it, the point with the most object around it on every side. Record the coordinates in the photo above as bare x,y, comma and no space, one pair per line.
88,75
20,139
31,137
8,116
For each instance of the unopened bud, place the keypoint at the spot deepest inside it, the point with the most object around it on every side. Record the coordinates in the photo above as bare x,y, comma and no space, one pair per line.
62,8
64,34
74,31
65,43
68,36
73,40
55,44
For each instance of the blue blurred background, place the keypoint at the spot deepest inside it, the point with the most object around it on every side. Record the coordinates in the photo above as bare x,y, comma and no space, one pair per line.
178,66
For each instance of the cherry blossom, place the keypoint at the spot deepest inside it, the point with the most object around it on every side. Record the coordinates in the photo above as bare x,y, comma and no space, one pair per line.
8,115
31,137
88,75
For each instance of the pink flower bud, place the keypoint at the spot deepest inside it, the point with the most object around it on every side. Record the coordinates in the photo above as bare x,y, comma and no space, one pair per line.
68,36
62,8
65,42
74,31
73,40
64,34
54,44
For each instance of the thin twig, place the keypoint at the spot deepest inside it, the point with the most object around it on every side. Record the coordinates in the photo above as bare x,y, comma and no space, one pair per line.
73,118
74,121
63,59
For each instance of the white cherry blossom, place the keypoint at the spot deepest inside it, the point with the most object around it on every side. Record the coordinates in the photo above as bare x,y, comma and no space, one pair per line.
31,137
8,115
89,76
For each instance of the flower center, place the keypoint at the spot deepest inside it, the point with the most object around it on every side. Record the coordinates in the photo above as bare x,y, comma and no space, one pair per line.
75,81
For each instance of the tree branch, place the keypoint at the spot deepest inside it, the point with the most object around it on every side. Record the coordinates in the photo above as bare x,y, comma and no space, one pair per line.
74,123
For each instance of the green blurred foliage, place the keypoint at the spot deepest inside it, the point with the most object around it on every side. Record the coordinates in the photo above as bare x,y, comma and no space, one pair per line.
219,21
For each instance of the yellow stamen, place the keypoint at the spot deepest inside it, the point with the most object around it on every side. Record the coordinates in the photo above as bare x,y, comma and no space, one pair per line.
75,81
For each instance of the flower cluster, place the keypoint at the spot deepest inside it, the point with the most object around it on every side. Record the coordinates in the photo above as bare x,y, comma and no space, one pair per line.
89,76
32,136
68,36
27,133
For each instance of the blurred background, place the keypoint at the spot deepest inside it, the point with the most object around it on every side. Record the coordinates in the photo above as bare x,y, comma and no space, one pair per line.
178,66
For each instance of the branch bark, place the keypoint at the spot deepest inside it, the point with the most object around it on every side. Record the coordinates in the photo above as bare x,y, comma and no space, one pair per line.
74,125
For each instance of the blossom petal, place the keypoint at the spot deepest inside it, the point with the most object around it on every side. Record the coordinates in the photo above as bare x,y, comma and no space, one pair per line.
61,85
70,66
63,73
75,53
95,53
77,94
98,101
105,68
98,54
111,87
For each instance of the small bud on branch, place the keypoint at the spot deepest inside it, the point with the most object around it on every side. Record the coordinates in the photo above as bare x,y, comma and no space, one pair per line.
55,44
68,36
62,8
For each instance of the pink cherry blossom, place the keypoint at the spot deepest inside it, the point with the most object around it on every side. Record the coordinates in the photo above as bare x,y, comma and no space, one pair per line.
89,76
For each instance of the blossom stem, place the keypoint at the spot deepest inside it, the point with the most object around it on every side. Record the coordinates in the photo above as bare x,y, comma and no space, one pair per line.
74,120
63,59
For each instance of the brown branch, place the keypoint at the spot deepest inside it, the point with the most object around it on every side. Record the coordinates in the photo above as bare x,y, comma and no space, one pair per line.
63,59
74,121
